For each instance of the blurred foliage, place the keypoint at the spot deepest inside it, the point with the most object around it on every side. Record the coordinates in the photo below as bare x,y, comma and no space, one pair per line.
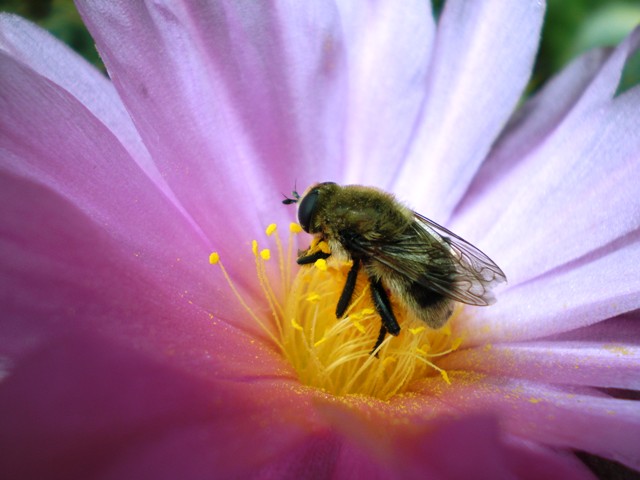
574,26
571,28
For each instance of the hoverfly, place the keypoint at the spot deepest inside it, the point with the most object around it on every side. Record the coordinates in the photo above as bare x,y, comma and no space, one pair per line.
420,263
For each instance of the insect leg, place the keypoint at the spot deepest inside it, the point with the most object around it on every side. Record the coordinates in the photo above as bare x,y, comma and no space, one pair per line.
347,291
383,306
381,335
307,259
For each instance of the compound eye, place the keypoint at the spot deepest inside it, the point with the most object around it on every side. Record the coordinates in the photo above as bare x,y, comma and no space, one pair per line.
307,208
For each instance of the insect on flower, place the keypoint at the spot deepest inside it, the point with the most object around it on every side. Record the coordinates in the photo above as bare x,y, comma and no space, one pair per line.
424,266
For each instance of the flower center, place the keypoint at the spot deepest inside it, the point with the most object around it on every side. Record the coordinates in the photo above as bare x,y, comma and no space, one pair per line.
335,354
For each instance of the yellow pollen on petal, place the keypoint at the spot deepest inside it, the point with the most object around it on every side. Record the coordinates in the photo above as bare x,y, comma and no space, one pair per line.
335,354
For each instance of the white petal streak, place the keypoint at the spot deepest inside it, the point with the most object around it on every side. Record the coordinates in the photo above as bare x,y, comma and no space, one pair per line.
583,194
482,60
596,288
388,49
576,177
529,126
596,364
582,87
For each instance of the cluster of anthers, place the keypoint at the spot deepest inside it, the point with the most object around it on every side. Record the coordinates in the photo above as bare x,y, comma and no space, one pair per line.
334,354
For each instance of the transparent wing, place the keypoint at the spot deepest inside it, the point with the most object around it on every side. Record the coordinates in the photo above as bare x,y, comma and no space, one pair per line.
437,259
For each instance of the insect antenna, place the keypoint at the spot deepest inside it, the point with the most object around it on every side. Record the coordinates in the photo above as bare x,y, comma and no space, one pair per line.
289,201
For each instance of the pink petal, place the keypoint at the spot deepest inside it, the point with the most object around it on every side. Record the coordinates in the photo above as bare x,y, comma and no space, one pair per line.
62,271
590,422
388,47
596,364
49,57
466,447
88,408
575,192
582,86
622,329
481,62
601,286
232,109
84,163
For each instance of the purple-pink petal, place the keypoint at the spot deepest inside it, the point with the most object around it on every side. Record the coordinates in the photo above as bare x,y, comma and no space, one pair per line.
600,286
75,277
554,416
117,413
480,64
52,59
388,47
449,445
571,193
597,364
240,98
583,86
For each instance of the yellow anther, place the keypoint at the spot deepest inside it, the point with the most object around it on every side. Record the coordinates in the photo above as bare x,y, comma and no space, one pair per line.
254,247
294,227
321,264
420,351
359,326
214,258
456,343
265,254
313,297
417,330
367,311
270,229
389,360
295,324
321,341
445,376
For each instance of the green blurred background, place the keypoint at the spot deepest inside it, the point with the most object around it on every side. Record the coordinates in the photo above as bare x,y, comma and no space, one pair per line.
571,27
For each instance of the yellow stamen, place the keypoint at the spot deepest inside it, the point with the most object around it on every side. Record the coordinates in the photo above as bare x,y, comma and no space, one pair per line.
321,264
270,229
334,354
215,257
313,297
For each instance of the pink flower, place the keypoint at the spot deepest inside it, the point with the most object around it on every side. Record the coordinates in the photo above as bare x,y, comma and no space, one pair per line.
126,355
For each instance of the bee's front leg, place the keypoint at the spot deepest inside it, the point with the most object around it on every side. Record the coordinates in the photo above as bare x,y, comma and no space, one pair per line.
383,307
305,259
347,291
